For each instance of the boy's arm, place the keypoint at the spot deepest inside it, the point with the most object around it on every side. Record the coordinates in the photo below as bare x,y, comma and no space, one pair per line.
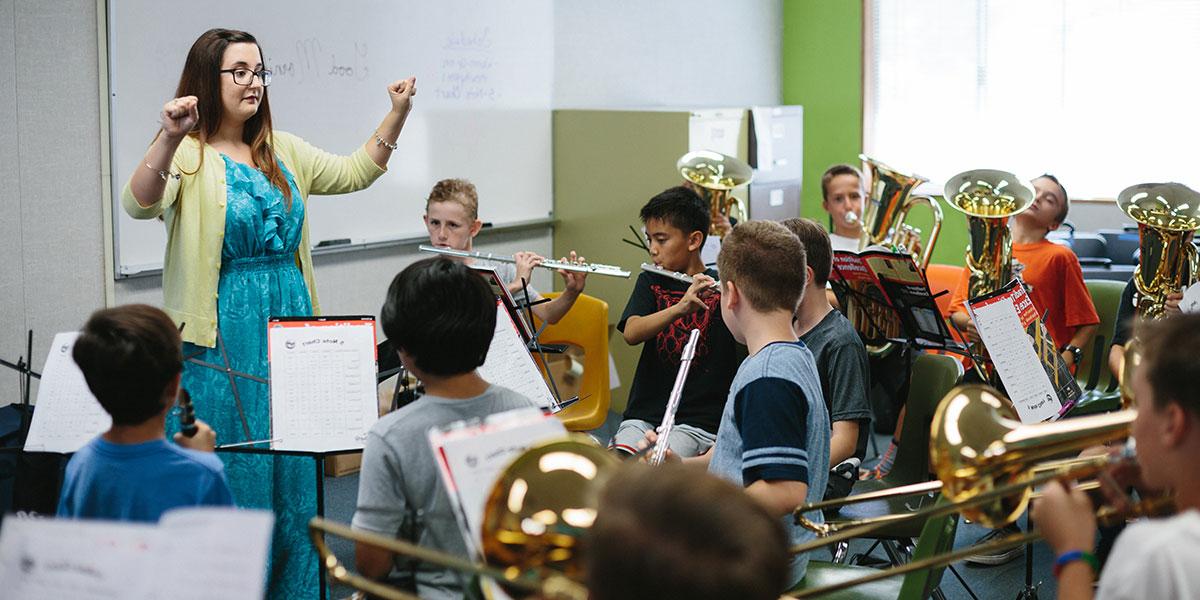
780,497
554,310
641,328
381,506
843,442
1083,335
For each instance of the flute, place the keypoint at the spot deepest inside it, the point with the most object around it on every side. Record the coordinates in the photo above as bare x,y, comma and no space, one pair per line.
582,267
676,275
668,422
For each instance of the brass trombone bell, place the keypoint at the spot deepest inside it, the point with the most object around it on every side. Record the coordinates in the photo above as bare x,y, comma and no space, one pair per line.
1167,215
714,176
987,461
535,517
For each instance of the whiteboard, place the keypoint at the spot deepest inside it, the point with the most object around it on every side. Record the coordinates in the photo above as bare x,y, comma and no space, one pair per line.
482,111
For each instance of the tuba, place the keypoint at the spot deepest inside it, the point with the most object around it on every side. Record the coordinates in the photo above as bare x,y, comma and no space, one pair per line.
887,207
988,198
1167,215
713,176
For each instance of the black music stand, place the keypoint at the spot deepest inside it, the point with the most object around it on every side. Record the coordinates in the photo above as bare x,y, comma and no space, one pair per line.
230,374
26,374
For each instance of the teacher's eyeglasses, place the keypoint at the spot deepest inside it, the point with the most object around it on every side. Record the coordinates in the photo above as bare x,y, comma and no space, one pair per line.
246,76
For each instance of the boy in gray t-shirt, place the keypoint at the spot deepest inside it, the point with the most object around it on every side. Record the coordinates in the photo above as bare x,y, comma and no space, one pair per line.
841,360
440,316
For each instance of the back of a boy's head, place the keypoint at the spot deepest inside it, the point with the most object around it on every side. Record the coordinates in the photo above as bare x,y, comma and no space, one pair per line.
128,355
442,314
679,207
834,171
1171,357
458,191
818,251
767,262
675,531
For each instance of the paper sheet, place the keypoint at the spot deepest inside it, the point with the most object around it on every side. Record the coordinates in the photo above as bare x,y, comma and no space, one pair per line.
509,363
471,457
1013,353
67,416
323,394
192,553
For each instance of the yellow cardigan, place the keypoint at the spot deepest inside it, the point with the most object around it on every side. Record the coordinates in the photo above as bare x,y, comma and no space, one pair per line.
193,208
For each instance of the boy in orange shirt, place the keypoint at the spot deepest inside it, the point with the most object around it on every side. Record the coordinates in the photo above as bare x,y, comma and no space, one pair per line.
1055,279
1051,271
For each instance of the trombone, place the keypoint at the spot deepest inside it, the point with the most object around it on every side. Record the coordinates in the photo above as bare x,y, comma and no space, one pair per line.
535,517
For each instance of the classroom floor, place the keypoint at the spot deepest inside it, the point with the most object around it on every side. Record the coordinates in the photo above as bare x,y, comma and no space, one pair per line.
1002,582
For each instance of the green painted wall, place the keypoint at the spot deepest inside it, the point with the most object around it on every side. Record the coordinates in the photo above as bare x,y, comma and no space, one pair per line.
822,61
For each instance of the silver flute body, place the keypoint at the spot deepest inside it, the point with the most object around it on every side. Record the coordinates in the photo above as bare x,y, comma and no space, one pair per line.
668,422
676,275
589,268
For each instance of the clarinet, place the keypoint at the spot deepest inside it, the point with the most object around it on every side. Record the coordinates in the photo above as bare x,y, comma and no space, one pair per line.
668,422
187,414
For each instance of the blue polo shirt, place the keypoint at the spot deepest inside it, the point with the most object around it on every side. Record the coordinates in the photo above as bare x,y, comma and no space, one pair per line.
139,482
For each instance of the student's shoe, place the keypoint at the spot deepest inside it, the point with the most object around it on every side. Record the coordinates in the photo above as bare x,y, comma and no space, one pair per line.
997,557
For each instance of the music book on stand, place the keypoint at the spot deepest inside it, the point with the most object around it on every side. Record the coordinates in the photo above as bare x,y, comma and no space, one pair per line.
1034,374
67,416
887,298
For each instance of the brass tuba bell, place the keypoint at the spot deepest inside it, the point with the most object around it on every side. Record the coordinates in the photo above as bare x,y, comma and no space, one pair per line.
887,207
1167,215
988,198
714,175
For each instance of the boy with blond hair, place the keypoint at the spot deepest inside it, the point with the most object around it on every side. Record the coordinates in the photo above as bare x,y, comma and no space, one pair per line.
452,219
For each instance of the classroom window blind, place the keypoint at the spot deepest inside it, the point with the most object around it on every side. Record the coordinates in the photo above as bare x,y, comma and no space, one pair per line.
1098,92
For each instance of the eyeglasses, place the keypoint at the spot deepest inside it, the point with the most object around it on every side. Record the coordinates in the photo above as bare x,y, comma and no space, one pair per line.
246,76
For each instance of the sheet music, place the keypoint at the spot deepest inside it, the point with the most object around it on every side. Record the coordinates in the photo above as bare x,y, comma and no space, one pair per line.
192,553
509,363
1012,352
322,384
471,457
67,416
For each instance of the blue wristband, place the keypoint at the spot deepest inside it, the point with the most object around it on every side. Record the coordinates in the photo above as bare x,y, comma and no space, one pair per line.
1067,558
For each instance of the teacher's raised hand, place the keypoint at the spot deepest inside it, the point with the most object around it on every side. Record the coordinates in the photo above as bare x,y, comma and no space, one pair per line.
179,116
401,93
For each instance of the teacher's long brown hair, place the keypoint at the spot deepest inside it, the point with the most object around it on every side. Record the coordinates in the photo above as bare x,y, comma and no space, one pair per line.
201,78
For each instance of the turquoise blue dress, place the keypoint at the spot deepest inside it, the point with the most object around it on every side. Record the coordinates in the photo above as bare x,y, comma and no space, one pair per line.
259,279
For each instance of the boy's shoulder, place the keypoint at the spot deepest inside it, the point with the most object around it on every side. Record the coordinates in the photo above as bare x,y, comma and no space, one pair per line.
429,411
206,462
782,359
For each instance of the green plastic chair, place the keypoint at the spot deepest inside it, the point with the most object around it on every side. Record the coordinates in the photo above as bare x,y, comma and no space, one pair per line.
1100,389
933,376
936,537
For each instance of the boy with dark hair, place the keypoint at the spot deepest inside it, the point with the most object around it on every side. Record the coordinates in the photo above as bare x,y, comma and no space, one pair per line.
131,358
841,360
842,195
440,316
661,313
452,219
1153,558
699,537
774,433
1055,279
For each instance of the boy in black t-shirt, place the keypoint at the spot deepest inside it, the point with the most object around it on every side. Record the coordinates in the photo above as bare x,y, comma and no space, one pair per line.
662,312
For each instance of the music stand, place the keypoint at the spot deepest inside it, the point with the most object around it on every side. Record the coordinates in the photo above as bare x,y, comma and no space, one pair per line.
25,374
230,374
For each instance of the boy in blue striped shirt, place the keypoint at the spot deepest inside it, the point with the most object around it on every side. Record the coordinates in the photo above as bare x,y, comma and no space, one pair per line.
774,432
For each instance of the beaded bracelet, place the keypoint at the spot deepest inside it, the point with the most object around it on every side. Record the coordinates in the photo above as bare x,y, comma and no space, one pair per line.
1067,558
382,142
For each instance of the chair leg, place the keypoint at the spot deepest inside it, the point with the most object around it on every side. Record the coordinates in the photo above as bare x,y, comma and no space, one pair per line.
840,550
895,552
961,582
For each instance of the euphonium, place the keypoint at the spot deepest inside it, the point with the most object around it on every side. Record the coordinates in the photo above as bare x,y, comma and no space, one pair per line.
887,207
714,175
988,198
1167,215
